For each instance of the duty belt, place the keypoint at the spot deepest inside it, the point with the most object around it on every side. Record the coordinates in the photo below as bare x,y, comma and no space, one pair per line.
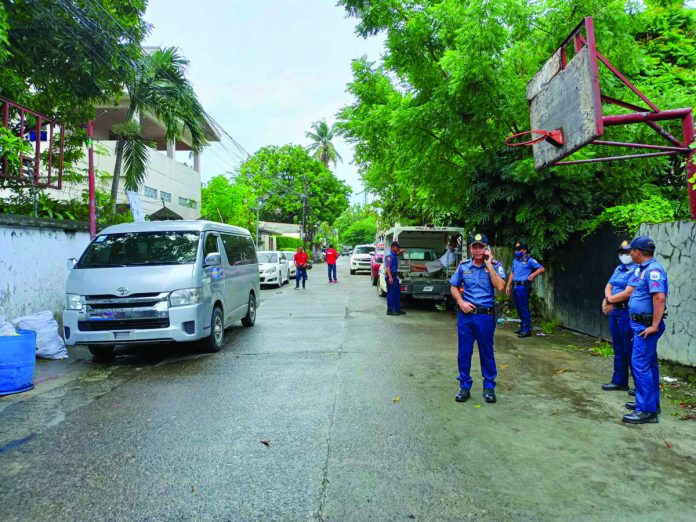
521,283
621,306
644,319
482,311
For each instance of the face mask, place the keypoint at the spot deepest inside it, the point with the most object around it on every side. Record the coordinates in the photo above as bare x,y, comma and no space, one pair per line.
625,259
518,255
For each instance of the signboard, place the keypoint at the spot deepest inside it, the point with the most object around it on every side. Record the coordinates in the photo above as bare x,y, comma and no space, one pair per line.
135,206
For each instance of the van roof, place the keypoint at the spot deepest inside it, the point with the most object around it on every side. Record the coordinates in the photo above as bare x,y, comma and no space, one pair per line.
175,226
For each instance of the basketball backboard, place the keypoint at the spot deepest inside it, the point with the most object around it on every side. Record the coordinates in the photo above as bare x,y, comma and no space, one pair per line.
565,95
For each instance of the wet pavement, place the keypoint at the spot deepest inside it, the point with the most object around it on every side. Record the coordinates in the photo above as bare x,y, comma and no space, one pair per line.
359,412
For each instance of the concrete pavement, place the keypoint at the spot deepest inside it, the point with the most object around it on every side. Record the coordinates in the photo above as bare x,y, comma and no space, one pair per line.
360,414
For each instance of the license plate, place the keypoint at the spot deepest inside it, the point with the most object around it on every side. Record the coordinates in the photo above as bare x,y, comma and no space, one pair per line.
427,288
122,335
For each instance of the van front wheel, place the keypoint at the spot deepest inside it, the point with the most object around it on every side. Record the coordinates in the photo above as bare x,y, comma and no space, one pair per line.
216,340
100,352
250,318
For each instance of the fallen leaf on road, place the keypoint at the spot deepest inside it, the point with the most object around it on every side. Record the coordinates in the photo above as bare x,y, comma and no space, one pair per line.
688,416
266,442
559,371
396,399
193,489
477,405
667,443
503,366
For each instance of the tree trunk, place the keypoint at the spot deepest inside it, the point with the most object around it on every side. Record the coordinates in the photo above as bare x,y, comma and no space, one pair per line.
117,170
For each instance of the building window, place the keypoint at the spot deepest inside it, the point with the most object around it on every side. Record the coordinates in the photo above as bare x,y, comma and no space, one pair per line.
149,192
188,203
165,196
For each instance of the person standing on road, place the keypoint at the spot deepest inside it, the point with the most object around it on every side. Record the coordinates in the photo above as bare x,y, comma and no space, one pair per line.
648,289
473,288
525,269
301,258
391,264
331,257
620,320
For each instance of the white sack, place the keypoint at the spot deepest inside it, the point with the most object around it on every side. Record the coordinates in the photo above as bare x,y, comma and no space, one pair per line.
49,345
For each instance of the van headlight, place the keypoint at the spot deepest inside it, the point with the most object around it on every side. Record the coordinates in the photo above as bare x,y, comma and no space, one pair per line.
186,296
74,301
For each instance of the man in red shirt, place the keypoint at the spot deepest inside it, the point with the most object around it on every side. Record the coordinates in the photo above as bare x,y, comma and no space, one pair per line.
300,267
331,256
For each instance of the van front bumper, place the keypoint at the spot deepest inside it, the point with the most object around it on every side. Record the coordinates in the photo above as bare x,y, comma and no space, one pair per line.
180,324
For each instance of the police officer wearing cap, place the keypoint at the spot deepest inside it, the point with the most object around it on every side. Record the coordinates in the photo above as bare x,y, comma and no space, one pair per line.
525,269
391,264
619,319
648,289
473,287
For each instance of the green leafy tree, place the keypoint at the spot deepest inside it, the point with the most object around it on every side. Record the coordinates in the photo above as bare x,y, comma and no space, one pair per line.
293,185
228,202
428,122
322,147
159,86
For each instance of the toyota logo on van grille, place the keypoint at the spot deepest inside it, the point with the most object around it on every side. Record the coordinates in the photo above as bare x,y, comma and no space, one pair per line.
122,290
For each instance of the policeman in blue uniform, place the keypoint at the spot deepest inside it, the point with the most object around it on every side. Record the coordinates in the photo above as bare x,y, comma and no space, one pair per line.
620,320
525,269
648,290
473,287
391,263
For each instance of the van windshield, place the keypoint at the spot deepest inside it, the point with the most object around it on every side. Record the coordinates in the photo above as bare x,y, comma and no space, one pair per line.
141,249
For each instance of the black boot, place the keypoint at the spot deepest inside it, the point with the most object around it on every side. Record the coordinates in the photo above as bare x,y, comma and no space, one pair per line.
641,417
489,395
463,395
632,406
614,387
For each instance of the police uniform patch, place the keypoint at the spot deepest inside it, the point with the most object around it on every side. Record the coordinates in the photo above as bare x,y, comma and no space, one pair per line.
654,275
501,271
467,272
637,271
477,237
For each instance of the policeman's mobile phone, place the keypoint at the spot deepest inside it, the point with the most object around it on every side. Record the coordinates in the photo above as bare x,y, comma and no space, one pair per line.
487,255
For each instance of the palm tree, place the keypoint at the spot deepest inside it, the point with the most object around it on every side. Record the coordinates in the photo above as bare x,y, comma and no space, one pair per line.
322,147
158,86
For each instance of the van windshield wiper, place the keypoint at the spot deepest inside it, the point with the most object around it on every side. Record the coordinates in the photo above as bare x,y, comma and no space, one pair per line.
150,263
101,265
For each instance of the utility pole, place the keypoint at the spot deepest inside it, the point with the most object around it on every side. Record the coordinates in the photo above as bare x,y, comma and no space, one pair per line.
92,200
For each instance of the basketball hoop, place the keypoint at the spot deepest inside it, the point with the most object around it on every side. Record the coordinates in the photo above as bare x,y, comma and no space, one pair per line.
554,137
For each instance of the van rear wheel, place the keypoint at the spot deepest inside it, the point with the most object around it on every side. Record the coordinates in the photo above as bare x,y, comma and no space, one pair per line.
250,318
216,340
101,352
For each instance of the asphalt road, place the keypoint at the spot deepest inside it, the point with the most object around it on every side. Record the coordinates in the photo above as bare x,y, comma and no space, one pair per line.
359,412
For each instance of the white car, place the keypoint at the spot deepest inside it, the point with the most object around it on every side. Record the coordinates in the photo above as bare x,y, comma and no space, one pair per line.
362,258
290,256
273,268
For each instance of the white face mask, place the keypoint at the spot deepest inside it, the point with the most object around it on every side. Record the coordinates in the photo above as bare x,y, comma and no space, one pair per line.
625,259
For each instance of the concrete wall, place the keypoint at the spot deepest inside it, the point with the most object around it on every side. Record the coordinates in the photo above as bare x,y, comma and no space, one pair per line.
676,252
33,263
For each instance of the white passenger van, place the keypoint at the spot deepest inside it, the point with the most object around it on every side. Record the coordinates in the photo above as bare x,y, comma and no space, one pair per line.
161,281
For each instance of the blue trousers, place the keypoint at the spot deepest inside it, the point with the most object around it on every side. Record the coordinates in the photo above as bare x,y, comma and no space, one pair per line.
393,295
522,305
300,273
479,328
646,373
332,270
622,340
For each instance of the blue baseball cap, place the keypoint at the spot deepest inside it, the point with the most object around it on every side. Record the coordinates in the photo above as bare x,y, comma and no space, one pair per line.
478,239
395,243
642,243
624,247
521,246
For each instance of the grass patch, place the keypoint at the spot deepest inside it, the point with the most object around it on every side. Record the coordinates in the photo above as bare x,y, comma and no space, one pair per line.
602,348
549,327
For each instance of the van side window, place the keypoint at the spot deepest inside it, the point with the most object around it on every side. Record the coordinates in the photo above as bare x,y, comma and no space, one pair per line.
250,251
234,246
211,245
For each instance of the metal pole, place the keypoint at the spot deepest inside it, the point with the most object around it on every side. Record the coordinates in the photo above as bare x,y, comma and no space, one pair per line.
258,202
92,201
688,135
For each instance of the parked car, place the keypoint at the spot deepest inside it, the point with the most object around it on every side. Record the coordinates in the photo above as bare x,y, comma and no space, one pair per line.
161,281
273,268
346,250
361,259
377,263
290,256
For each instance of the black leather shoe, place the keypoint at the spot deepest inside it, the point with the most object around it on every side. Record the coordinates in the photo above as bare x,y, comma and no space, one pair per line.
463,395
400,312
614,387
632,406
489,395
524,334
641,417
389,312
632,393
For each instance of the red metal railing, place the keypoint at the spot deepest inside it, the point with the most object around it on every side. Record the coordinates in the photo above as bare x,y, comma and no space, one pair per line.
39,169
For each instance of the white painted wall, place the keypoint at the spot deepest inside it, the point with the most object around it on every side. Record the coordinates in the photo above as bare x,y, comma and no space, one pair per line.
164,174
33,268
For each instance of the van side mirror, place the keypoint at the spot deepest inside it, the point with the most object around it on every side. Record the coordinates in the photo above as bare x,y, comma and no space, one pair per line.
71,263
213,259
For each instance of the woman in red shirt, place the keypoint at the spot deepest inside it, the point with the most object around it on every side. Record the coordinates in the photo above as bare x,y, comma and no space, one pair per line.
300,267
